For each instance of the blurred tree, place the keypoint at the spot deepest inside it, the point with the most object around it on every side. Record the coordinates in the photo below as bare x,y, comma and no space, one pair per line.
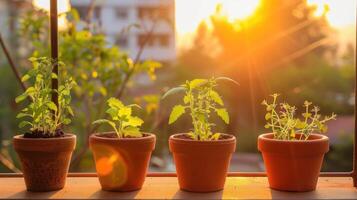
100,70
340,156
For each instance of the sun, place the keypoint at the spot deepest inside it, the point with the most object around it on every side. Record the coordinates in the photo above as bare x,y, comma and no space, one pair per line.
63,7
189,13
338,13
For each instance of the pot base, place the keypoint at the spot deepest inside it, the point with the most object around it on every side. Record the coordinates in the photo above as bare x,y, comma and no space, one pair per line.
121,163
45,161
293,165
202,165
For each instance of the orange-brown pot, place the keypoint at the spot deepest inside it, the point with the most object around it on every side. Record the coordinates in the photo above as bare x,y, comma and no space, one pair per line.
202,166
121,163
45,161
293,165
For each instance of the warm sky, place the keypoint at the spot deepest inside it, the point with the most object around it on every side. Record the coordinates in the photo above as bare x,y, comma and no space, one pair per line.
341,14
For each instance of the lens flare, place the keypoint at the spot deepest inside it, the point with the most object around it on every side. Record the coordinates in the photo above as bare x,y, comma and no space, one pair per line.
112,169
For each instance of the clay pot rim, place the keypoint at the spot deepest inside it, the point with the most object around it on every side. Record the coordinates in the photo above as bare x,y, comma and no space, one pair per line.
321,138
230,140
68,136
148,138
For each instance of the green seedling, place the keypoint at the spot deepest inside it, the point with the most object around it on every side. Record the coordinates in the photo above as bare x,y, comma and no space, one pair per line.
122,121
281,120
41,113
200,101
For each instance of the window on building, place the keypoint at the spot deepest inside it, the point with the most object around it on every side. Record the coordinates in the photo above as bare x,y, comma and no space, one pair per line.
121,12
122,41
155,40
83,12
164,40
153,12
97,12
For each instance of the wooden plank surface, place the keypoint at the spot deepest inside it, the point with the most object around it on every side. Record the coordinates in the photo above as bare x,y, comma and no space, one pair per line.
167,188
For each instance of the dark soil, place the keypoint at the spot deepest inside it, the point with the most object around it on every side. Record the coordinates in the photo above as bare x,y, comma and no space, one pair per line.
114,135
41,134
187,137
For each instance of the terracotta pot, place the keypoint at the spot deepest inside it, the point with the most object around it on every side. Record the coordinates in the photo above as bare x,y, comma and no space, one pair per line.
45,161
121,163
202,166
293,165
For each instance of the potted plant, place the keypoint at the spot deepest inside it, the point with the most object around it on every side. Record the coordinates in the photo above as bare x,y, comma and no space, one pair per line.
201,156
293,153
122,156
44,149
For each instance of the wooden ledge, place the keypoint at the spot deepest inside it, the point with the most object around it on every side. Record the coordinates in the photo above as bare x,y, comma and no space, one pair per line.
167,188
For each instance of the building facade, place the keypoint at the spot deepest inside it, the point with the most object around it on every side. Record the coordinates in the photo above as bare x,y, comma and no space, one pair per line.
132,24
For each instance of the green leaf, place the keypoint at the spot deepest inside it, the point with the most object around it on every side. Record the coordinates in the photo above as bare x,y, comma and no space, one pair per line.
306,115
173,91
103,91
52,106
197,83
222,78
132,131
54,76
113,102
30,90
223,114
21,115
20,98
24,123
125,111
113,112
133,121
66,121
192,135
25,77
267,116
301,124
323,129
103,121
70,111
215,136
215,97
135,105
186,99
176,112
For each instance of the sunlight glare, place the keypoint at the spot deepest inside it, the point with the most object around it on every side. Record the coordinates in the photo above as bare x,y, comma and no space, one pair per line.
190,13
63,5
339,13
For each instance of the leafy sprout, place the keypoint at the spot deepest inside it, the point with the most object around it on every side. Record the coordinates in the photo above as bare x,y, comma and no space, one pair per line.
200,100
44,115
281,120
122,121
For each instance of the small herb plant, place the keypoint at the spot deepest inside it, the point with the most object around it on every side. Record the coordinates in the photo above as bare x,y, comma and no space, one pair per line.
122,121
281,119
200,100
43,116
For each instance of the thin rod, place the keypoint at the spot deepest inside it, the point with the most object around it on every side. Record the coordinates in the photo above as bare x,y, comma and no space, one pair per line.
354,174
11,63
54,47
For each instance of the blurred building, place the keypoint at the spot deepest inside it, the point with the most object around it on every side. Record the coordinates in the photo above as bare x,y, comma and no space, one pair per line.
131,23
